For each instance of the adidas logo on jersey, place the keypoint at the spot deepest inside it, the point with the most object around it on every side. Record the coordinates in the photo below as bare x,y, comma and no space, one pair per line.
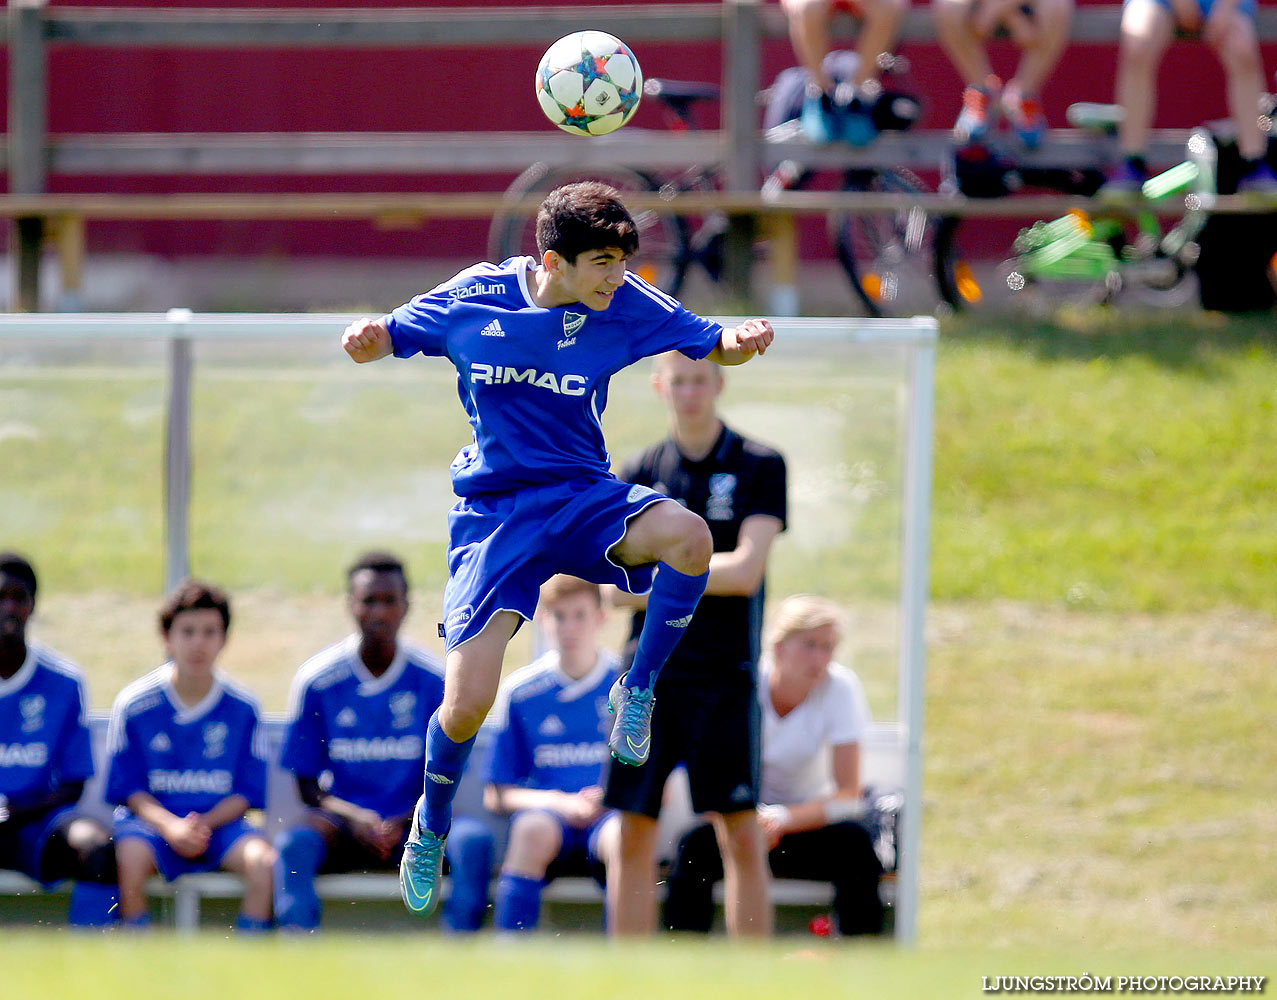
161,743
680,622
493,329
346,717
551,725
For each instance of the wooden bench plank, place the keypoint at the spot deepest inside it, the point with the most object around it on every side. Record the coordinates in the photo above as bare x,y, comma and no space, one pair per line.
326,153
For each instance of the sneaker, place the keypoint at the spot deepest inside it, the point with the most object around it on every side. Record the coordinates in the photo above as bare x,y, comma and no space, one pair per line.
818,119
631,737
976,119
1025,116
857,123
1260,178
1126,181
421,868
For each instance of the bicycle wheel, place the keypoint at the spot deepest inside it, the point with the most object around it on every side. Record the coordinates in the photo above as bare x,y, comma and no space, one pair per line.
888,255
970,274
663,255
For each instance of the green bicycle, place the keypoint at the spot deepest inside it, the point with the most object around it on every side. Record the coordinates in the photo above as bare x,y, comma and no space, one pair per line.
1124,250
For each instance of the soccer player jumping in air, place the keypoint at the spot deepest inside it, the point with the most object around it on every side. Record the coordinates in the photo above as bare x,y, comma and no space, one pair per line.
534,345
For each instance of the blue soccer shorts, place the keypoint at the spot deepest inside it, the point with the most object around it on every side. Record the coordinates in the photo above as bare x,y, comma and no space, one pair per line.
579,849
502,547
22,847
1247,7
172,865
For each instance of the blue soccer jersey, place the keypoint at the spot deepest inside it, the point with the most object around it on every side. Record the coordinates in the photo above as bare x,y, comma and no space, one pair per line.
553,730
44,740
534,381
188,758
363,735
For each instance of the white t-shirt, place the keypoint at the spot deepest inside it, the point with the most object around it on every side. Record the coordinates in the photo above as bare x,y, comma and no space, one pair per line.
797,749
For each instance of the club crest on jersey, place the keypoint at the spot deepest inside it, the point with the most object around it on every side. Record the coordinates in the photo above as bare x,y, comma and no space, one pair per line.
32,713
402,705
215,734
572,322
721,487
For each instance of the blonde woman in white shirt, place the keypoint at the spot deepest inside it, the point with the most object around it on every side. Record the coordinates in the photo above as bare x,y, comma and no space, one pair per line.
814,716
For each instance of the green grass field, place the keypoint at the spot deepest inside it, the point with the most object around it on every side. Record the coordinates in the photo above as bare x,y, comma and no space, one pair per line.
575,969
1100,775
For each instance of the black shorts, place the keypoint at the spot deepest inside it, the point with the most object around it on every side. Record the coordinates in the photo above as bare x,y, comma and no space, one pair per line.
347,853
710,726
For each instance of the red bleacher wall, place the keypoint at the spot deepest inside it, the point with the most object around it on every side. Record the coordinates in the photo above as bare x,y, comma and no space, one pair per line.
128,90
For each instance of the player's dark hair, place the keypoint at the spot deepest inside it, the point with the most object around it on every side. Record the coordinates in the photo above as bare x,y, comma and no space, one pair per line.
194,595
378,562
18,567
586,215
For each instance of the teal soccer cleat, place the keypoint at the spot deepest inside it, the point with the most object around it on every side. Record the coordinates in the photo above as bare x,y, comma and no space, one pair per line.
421,867
631,737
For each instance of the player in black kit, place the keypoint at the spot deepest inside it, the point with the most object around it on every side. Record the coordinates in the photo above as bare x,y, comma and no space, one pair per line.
706,712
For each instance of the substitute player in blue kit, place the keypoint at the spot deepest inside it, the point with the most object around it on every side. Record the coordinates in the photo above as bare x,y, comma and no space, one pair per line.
188,760
547,762
355,742
535,345
45,760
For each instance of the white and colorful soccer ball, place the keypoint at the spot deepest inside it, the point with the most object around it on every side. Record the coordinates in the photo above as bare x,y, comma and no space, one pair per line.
589,83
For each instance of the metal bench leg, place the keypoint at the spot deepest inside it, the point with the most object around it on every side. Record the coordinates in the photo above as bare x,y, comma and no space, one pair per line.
186,908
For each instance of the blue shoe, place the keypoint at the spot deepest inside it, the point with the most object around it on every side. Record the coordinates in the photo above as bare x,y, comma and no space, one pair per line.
631,737
1125,183
857,123
818,119
978,110
1024,114
421,867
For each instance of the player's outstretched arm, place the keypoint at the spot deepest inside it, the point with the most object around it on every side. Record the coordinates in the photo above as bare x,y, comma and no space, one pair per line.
738,344
366,340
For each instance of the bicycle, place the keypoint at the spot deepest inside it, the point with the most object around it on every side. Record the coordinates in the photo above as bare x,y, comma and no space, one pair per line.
885,255
1123,250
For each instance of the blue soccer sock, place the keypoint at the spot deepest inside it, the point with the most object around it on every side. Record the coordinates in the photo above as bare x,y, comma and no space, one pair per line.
518,903
470,853
251,925
445,763
93,905
670,605
142,922
301,851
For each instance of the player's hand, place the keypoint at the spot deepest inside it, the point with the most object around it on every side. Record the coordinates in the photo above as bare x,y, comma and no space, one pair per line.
368,828
392,835
754,336
188,835
366,340
579,810
772,820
